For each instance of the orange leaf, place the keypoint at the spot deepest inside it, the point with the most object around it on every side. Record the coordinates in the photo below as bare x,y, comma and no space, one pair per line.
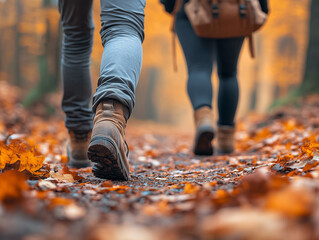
21,154
291,202
190,188
59,201
12,185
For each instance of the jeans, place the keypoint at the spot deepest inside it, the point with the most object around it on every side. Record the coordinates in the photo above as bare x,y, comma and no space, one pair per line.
200,54
122,34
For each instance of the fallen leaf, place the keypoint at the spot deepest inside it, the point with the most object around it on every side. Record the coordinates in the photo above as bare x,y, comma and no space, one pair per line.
191,188
46,185
74,212
23,156
62,177
290,201
60,201
248,224
12,186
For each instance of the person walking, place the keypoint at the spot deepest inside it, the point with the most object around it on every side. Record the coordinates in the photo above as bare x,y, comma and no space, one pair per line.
101,140
200,54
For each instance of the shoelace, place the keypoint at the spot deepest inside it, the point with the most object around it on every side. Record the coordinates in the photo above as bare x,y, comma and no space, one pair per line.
127,150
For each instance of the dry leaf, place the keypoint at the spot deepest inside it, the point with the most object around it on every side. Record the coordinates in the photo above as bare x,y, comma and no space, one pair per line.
291,201
12,185
46,185
62,177
74,212
246,223
21,154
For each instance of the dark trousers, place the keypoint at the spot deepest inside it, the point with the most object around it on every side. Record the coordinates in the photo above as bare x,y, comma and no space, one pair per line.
200,54
122,34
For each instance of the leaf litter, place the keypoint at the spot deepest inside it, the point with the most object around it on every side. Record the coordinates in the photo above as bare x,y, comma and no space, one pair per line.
267,189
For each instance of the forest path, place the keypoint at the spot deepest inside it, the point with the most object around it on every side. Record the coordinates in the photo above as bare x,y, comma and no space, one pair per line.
267,189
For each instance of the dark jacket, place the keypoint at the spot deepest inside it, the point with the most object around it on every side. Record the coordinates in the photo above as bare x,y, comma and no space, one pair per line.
169,5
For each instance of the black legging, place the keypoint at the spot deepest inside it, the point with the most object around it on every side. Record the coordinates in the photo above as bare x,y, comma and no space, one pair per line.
200,54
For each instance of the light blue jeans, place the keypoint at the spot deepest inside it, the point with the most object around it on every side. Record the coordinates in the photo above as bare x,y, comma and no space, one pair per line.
122,34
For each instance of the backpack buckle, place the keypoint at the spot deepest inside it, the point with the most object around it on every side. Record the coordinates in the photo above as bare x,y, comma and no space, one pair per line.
243,10
215,10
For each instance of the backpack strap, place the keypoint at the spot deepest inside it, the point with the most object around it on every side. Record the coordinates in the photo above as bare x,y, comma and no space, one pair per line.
177,7
251,46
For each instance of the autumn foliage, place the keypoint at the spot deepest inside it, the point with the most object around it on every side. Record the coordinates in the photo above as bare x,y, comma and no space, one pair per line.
21,157
12,185
267,189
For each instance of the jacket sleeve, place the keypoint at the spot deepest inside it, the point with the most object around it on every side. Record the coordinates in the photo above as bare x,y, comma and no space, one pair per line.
264,6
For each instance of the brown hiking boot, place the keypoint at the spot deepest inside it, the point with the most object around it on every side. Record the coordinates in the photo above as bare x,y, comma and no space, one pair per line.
204,131
77,149
225,139
108,148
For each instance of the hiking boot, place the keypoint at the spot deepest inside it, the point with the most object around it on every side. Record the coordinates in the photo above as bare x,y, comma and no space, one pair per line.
108,148
77,149
204,132
225,139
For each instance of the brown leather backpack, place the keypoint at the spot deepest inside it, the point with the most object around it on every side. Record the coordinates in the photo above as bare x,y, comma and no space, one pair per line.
225,18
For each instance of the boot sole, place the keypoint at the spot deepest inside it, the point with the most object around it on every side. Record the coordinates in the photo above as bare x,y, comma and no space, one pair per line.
203,141
107,158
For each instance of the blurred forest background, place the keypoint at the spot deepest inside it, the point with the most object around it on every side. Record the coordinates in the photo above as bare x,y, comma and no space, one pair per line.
30,44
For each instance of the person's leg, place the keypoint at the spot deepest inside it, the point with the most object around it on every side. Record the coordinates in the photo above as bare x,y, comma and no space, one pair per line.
78,27
199,58
122,35
227,58
228,51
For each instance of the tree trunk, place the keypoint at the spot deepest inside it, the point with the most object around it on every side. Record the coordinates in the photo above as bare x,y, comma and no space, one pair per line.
49,79
310,82
16,64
